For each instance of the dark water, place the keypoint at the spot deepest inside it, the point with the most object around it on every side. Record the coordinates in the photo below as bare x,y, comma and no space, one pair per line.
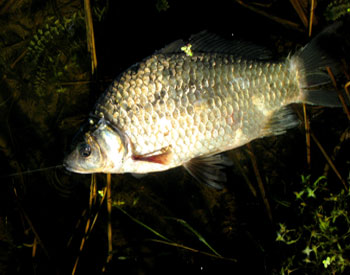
45,96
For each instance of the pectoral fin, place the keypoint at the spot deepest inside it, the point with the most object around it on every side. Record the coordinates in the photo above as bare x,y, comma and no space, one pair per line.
208,169
162,156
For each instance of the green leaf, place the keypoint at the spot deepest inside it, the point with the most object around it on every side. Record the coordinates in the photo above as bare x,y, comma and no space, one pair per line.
310,193
307,251
200,237
142,224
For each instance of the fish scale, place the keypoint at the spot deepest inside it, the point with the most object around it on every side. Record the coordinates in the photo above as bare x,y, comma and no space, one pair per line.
171,97
178,108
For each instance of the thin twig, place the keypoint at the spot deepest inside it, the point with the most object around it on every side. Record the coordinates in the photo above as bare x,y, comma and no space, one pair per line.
19,58
329,161
109,225
346,87
312,8
307,136
77,225
324,153
342,100
272,17
92,199
90,35
34,247
344,136
259,180
238,164
104,191
300,11
306,120
38,239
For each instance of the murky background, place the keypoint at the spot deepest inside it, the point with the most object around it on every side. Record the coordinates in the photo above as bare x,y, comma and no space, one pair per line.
165,223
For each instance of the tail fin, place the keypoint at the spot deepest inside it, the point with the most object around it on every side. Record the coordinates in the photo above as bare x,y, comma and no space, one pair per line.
327,49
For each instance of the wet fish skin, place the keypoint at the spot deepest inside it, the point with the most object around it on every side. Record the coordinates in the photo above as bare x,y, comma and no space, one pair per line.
211,103
173,109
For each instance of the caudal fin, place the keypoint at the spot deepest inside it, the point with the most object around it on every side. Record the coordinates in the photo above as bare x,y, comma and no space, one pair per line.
328,49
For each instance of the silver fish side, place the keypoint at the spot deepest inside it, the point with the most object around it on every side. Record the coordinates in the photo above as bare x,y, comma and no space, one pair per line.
210,103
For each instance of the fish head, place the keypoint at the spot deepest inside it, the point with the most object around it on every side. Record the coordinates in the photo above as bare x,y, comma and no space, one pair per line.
102,150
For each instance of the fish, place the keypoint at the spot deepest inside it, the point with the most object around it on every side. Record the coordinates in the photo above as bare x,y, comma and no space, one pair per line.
191,101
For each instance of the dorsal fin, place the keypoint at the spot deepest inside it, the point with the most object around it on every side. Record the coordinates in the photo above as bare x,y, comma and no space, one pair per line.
206,42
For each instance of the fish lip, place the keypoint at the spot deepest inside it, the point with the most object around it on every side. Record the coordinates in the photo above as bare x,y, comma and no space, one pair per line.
73,170
67,167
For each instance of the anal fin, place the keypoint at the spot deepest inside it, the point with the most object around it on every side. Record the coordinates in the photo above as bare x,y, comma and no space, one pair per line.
208,169
280,121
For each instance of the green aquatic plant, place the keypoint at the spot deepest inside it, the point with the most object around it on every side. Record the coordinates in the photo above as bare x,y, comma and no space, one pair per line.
337,9
162,5
51,51
52,30
57,48
187,49
320,243
160,237
196,233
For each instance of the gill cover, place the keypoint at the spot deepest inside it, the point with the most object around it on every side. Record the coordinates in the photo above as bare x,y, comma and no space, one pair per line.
102,150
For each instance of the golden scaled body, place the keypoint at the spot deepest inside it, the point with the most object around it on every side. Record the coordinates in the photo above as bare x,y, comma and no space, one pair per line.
196,105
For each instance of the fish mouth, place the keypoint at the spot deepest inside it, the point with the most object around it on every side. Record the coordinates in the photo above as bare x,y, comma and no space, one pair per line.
68,167
73,168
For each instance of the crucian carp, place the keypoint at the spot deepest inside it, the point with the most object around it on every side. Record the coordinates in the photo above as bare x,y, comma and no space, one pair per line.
189,102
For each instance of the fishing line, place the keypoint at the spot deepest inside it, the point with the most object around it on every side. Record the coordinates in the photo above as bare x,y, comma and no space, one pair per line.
31,171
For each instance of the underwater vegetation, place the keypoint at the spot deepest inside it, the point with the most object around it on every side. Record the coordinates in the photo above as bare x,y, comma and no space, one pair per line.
48,51
337,9
283,210
320,242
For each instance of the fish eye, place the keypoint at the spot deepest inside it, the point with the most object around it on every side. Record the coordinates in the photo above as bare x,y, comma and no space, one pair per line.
85,150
